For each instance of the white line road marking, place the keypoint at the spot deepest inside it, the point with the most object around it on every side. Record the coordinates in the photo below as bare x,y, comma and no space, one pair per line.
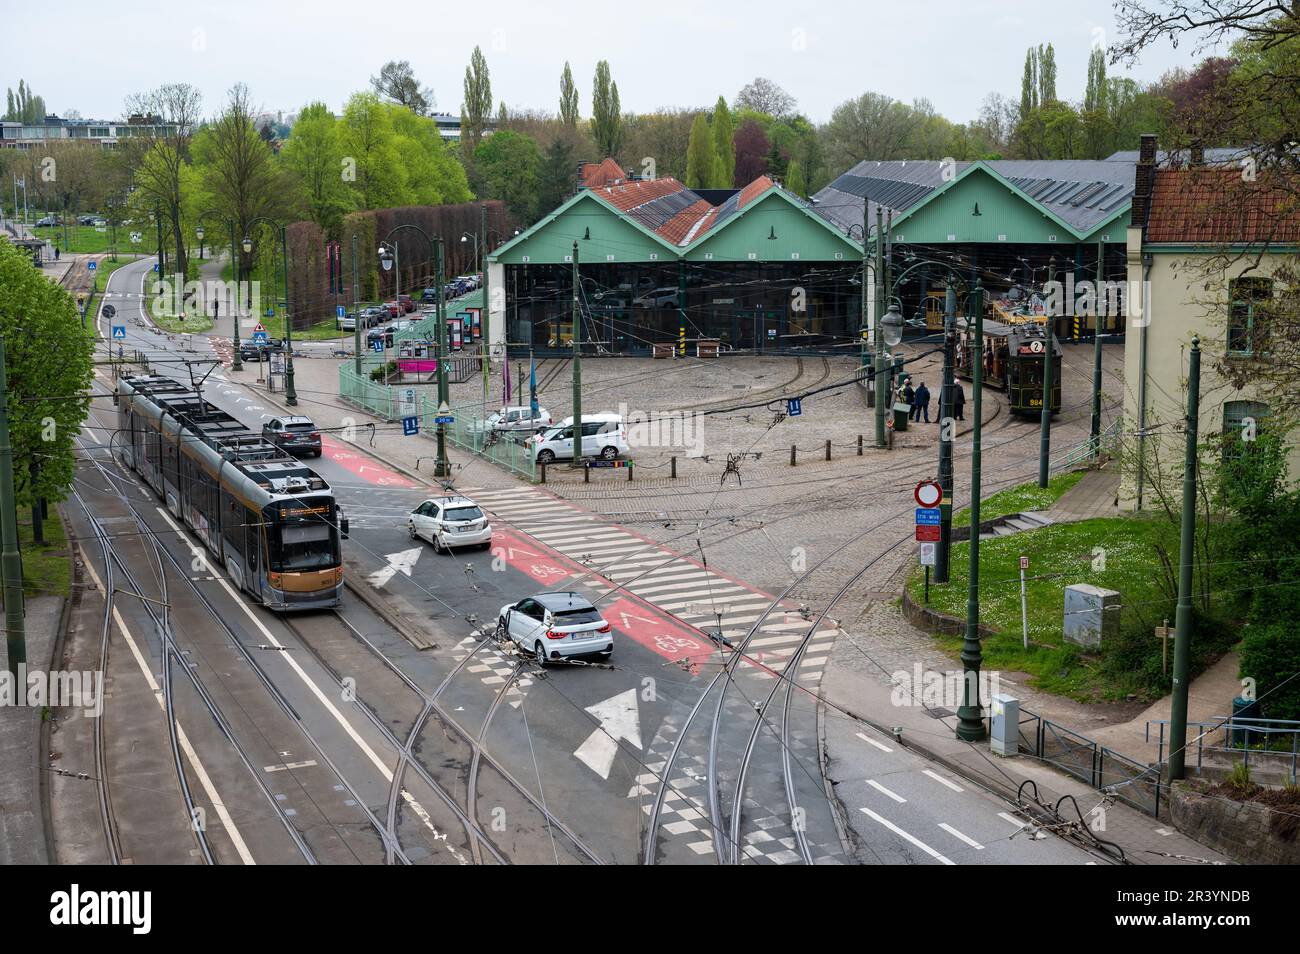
884,791
324,700
907,836
289,766
870,741
958,835
182,739
1018,822
942,781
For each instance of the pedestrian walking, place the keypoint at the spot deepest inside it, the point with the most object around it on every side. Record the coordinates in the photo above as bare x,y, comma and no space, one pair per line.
56,253
908,393
958,401
921,405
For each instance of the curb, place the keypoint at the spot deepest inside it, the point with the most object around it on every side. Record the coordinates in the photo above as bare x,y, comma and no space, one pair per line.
390,616
932,621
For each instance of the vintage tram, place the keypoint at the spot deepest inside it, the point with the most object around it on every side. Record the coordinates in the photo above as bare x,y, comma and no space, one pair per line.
1013,359
267,517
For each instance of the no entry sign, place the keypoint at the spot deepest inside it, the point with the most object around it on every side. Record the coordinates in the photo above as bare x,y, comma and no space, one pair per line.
928,493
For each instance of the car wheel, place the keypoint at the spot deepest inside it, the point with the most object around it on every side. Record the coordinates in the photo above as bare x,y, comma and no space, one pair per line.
546,457
609,453
437,543
501,633
540,653
410,528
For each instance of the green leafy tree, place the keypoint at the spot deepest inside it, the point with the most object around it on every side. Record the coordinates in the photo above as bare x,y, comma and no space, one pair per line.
556,177
1029,83
1046,75
701,159
606,115
508,166
794,180
476,108
313,155
724,135
159,158
433,173
49,363
372,169
1094,96
568,98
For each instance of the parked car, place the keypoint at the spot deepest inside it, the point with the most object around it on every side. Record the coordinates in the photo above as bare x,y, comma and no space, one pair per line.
348,322
250,350
386,334
429,295
375,315
519,419
393,308
555,626
48,221
293,433
407,303
470,282
603,435
657,298
449,522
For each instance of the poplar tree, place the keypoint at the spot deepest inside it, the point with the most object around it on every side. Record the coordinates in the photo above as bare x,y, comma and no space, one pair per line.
568,97
724,145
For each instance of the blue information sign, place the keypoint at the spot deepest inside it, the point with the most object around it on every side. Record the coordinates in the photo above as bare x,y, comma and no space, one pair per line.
91,265
377,346
259,337
794,407
927,516
444,419
119,332
339,310
410,426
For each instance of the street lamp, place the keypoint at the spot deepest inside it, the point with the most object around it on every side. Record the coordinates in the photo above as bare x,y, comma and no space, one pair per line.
236,363
387,252
970,722
891,325
290,393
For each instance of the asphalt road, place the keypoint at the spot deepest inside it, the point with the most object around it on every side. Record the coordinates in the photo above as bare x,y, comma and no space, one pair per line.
431,743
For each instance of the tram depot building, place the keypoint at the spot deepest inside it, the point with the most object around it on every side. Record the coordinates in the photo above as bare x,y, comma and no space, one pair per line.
760,270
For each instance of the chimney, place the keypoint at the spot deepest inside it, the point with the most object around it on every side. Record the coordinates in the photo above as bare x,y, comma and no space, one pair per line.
1198,154
1143,180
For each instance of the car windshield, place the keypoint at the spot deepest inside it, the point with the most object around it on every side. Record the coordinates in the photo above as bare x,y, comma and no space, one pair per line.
554,434
494,418
575,616
462,513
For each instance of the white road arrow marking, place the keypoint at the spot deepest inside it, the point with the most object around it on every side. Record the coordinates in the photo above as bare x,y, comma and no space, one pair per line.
619,719
397,563
628,616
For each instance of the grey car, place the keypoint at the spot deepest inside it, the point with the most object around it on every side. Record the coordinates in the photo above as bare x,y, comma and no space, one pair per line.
293,433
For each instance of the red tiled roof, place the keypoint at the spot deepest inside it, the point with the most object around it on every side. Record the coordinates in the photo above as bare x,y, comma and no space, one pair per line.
754,190
597,174
679,226
1207,204
629,195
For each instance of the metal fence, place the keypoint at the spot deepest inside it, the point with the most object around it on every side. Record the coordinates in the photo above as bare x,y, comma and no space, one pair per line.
1133,783
1270,742
468,430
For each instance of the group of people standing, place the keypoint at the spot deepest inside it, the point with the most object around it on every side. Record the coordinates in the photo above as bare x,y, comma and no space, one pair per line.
919,399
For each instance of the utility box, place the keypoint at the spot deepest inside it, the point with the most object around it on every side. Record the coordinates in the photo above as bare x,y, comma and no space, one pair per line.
1004,739
1091,615
902,414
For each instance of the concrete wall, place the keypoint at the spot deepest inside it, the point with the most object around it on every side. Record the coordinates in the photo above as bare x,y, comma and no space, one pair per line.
496,308
1246,832
1175,303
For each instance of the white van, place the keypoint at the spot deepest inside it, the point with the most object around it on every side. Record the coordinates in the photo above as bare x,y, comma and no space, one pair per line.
603,435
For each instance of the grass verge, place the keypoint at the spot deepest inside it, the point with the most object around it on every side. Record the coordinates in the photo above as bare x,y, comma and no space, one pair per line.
1021,498
1119,553
45,568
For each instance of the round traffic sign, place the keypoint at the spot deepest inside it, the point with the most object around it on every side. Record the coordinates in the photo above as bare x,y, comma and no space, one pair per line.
109,311
928,493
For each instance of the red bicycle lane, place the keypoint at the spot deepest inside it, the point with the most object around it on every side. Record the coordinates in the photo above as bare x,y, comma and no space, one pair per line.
633,618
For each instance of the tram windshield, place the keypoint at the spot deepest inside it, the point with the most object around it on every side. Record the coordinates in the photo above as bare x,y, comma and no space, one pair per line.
302,537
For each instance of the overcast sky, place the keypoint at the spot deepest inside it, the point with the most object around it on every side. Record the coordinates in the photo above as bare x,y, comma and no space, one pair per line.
89,56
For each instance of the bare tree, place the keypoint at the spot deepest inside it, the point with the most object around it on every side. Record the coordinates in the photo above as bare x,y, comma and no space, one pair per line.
396,82
1142,23
163,154
764,96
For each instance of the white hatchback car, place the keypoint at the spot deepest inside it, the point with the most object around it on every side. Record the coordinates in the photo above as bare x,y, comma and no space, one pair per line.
556,626
603,435
449,522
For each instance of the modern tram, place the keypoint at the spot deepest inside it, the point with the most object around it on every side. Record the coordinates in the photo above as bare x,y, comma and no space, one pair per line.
1013,362
271,520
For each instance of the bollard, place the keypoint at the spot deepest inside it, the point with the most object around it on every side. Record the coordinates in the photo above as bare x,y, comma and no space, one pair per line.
673,472
859,445
543,473
828,450
792,457
629,472
586,472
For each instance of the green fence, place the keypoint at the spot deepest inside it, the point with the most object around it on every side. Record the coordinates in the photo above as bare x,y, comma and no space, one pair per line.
468,431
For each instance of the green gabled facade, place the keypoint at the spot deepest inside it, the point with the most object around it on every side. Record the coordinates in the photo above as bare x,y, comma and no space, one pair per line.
773,228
